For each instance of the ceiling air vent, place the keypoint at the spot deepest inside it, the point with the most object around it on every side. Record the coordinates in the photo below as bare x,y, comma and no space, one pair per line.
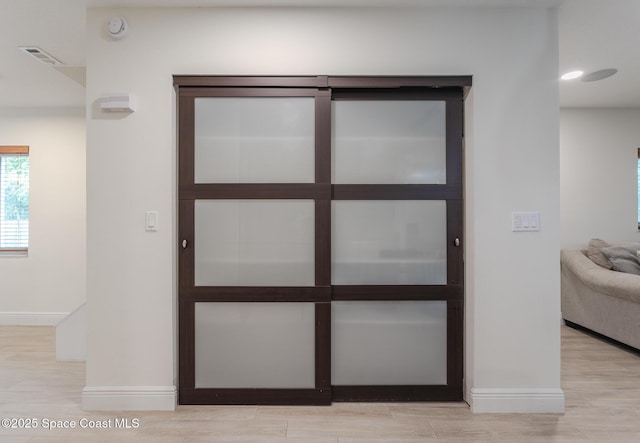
40,55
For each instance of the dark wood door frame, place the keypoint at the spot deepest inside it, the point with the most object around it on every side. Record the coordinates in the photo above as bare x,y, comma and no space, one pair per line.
323,89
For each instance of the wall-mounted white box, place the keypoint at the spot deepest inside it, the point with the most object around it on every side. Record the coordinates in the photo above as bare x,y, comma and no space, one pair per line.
118,102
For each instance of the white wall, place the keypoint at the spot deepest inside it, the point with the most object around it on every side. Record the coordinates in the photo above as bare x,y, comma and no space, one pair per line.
513,312
51,281
598,158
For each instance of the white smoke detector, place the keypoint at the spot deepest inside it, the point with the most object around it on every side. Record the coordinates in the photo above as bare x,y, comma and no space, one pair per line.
117,27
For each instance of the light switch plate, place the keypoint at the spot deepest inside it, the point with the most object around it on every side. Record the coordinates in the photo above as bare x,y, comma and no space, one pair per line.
525,221
151,221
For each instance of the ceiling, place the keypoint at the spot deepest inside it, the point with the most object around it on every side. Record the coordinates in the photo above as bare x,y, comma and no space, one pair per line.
594,35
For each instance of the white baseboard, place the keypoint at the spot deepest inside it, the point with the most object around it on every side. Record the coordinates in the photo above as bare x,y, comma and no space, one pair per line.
129,398
527,401
31,318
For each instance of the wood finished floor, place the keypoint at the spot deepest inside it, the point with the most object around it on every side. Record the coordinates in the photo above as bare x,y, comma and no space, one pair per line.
601,384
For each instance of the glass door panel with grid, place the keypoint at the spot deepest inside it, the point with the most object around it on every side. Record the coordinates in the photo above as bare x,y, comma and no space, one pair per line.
320,225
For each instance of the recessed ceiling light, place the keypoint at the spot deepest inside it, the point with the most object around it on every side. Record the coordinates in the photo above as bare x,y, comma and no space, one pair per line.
572,75
598,75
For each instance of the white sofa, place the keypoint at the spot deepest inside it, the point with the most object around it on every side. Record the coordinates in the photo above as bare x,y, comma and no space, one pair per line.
600,299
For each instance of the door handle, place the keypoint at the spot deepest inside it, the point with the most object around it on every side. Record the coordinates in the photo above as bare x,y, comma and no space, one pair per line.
184,244
456,242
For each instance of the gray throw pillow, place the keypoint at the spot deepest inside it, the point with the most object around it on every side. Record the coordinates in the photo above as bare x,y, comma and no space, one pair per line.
624,258
594,252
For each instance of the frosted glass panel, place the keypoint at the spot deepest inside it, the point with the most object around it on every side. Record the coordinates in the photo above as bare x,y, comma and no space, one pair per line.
389,242
389,343
389,141
254,243
255,345
254,140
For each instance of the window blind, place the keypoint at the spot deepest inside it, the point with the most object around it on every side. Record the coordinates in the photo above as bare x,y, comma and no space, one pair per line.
14,198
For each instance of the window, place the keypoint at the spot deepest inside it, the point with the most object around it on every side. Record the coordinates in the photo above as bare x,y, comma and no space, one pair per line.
14,198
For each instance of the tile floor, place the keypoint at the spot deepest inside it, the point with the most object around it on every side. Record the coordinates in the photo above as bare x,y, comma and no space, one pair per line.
601,384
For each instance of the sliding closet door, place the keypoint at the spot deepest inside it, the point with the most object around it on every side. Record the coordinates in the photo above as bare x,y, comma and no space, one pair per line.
254,290
320,239
396,231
